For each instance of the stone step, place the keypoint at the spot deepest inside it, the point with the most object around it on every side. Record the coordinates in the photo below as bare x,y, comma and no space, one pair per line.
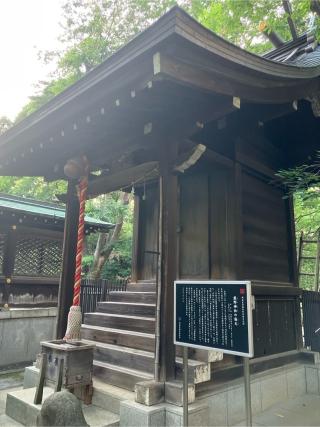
20,407
144,297
119,376
119,321
141,287
131,308
124,356
138,340
198,372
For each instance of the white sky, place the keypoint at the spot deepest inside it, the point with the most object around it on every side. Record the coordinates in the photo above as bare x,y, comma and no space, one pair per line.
26,26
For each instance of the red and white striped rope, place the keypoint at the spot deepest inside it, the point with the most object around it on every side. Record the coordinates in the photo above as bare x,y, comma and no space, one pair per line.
83,186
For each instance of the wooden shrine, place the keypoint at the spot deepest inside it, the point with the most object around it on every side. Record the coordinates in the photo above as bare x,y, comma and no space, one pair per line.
197,128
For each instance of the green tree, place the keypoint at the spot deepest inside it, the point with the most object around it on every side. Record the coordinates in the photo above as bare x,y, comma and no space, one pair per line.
94,29
238,21
33,187
303,183
109,254
5,124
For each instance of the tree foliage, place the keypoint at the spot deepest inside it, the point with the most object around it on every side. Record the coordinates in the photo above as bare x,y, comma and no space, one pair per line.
238,21
94,29
110,255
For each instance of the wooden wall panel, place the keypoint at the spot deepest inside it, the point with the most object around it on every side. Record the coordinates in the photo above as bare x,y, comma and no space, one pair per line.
258,152
148,235
194,227
265,231
274,325
222,225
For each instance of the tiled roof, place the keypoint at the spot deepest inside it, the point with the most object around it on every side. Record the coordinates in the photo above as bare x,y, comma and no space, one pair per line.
45,209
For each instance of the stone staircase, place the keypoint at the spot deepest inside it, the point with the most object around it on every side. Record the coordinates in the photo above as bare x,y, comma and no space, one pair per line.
123,330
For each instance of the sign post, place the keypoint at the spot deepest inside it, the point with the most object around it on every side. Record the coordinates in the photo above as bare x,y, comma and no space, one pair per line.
247,390
185,387
214,315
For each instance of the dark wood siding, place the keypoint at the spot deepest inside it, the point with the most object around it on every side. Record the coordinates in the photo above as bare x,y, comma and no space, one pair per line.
194,227
207,226
274,325
222,224
265,231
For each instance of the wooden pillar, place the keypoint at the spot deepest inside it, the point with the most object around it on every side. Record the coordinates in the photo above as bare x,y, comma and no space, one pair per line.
8,261
238,221
65,295
291,239
135,239
168,187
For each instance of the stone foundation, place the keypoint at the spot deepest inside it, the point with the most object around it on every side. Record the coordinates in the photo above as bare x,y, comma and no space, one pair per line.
222,405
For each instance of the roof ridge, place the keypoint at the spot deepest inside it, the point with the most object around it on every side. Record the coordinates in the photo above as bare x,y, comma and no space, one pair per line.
30,200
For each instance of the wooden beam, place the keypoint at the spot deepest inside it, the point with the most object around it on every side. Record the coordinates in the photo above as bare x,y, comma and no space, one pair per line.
209,154
65,295
107,183
233,81
129,160
189,159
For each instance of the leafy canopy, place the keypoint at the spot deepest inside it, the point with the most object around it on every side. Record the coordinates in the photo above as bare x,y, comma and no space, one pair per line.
94,29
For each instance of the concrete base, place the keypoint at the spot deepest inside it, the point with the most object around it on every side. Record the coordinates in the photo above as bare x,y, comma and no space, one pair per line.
301,411
134,414
20,407
220,405
227,402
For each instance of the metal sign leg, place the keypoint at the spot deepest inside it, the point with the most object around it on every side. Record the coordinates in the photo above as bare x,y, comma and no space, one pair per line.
247,390
185,386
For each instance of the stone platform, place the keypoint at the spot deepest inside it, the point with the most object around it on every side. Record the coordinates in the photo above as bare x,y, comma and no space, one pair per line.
219,405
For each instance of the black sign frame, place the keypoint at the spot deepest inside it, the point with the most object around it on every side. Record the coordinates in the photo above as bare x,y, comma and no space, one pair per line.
249,307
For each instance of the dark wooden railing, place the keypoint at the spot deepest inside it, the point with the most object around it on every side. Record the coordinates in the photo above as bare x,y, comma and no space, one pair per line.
94,291
311,319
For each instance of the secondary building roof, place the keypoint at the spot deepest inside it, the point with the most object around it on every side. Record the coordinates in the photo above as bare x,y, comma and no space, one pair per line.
27,211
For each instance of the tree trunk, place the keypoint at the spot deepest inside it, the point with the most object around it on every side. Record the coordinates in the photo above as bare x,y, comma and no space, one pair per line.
105,244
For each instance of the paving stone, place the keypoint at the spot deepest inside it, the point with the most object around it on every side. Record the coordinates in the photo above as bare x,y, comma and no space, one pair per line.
273,389
218,409
296,382
312,380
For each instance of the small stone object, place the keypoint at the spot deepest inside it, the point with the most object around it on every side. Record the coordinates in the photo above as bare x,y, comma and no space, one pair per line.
61,409
5,308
